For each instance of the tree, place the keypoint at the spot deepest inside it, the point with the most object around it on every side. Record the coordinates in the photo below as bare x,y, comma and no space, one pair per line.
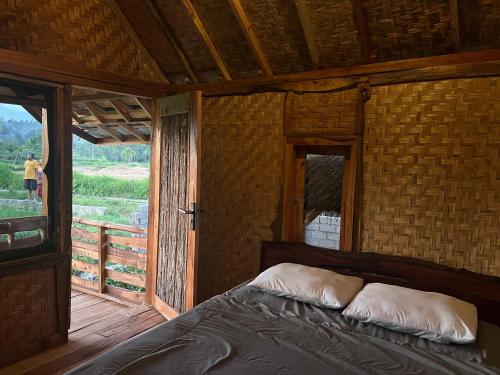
128,154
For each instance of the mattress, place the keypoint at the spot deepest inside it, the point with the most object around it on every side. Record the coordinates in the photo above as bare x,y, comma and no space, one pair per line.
249,331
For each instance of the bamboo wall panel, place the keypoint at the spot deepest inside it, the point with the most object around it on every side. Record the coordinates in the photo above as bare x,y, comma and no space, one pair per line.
28,310
171,275
409,28
336,33
240,186
80,32
317,113
479,23
277,26
431,173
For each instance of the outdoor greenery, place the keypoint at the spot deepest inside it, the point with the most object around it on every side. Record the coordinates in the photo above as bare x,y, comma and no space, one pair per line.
104,186
120,196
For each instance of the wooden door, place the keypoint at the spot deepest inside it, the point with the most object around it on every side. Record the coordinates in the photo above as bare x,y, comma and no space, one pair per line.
174,203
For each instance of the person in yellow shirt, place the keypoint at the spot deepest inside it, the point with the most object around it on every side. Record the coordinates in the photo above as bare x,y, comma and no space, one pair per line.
30,173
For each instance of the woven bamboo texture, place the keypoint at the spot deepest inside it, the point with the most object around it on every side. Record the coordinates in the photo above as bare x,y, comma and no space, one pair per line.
27,308
277,26
431,166
317,113
480,28
81,32
410,28
336,32
176,15
241,165
226,34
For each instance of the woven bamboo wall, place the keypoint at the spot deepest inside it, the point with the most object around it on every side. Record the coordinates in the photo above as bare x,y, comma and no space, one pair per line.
317,113
28,311
431,167
240,186
80,32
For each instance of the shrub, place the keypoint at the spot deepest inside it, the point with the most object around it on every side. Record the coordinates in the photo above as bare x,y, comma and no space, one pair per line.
10,180
104,186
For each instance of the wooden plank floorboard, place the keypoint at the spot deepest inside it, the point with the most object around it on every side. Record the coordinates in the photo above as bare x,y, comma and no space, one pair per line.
96,326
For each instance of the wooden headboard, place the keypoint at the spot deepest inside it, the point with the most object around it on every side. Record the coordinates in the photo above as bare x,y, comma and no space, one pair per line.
483,291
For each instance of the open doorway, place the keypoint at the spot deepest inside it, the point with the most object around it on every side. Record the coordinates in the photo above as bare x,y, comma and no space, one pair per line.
319,191
111,160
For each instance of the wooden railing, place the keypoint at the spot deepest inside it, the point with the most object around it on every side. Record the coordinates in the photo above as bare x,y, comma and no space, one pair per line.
109,260
10,227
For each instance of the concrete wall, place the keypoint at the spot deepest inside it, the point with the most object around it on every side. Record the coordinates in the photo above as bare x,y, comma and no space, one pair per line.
324,231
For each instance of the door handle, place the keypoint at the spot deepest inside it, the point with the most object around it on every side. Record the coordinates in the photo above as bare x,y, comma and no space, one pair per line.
192,211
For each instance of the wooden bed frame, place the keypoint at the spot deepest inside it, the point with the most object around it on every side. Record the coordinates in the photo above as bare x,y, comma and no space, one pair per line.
483,291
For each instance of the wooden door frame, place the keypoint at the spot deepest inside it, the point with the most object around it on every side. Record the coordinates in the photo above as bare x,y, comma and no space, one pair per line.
293,185
192,104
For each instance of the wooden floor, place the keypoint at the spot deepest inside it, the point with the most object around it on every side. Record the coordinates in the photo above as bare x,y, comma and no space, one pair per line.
96,325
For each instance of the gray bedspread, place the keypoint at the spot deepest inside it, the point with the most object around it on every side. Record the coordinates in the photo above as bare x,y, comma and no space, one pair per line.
249,331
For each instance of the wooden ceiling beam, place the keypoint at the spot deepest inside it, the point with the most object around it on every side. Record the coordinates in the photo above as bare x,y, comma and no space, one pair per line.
120,108
96,97
483,62
94,111
33,67
169,34
146,106
308,31
84,135
22,101
131,32
208,41
128,140
455,25
247,28
363,30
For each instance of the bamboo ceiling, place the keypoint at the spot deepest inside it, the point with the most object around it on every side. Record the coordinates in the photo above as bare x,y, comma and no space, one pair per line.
198,41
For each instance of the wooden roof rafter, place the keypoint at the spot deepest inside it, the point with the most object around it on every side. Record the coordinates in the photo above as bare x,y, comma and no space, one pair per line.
252,39
100,122
455,25
130,30
207,39
120,108
361,19
308,31
169,34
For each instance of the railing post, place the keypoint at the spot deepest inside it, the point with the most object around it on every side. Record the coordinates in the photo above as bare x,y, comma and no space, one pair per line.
101,257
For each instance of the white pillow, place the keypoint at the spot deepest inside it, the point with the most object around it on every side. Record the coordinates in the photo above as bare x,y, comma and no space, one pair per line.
308,284
433,316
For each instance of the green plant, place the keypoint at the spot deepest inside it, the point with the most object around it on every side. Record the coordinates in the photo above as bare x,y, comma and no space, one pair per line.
104,186
10,180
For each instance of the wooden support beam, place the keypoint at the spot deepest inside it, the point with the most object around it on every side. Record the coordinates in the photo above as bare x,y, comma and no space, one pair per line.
25,65
308,31
94,111
169,34
251,37
146,106
97,97
208,41
84,135
465,64
120,108
362,25
131,32
455,25
22,101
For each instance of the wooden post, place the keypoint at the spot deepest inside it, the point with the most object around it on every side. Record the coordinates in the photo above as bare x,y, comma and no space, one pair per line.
101,257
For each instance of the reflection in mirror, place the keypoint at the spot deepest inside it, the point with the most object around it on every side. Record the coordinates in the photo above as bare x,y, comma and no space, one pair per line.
323,200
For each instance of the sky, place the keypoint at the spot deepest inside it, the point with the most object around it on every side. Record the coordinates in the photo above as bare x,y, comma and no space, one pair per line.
14,112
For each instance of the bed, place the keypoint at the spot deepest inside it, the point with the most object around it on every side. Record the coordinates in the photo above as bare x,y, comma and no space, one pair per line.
250,331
